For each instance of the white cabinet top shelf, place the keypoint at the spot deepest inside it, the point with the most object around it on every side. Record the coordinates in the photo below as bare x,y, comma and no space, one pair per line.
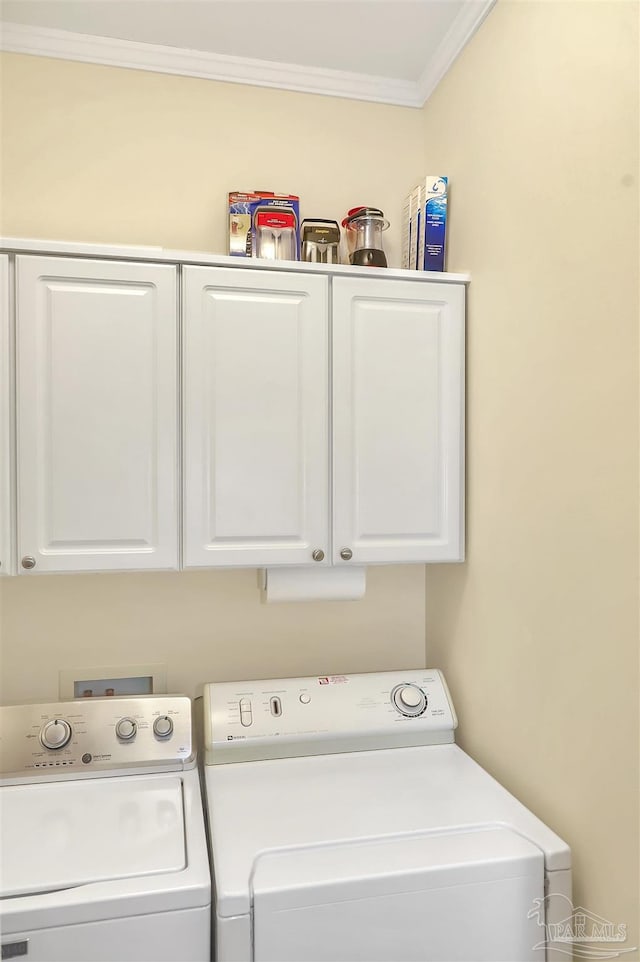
23,245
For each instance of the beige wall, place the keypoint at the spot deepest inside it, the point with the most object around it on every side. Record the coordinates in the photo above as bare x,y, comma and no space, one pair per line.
537,126
94,153
202,626
98,154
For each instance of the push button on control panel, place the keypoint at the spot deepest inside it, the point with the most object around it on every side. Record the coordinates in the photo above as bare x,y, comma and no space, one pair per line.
246,718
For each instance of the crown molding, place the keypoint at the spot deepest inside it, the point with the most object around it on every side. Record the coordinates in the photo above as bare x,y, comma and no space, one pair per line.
469,19
132,55
64,45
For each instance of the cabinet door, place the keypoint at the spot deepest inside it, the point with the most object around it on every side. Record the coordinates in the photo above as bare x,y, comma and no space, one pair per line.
6,418
97,415
398,408
255,425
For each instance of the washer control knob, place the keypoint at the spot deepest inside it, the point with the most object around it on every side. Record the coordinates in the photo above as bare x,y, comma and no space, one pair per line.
126,729
56,733
409,699
163,726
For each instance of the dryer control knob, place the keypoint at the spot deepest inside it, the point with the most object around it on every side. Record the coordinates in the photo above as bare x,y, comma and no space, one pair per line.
163,726
409,699
56,733
126,729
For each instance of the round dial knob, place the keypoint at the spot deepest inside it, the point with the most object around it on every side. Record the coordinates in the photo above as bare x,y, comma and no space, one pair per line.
126,729
56,733
409,699
163,726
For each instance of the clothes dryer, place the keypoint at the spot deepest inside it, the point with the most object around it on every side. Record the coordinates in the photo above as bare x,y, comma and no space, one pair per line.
346,824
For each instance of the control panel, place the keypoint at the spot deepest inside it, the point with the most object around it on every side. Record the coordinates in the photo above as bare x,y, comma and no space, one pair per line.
281,717
93,736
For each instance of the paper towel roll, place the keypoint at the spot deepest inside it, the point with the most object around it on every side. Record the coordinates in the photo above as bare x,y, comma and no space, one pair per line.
313,584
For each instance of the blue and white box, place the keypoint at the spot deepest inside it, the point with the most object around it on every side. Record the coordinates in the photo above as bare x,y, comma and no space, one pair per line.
433,230
425,225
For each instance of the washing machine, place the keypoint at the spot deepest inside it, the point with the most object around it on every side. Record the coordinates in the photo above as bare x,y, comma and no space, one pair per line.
345,824
103,852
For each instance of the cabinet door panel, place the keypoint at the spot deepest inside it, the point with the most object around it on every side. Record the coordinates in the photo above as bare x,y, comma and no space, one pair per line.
6,416
255,417
97,414
398,388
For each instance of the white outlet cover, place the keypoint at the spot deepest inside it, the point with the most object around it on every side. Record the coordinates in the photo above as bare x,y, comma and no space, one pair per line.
112,680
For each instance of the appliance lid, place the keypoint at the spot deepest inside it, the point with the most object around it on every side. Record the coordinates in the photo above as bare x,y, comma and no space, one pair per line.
67,834
323,800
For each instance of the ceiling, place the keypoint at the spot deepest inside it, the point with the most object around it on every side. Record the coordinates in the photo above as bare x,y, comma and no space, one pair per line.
393,51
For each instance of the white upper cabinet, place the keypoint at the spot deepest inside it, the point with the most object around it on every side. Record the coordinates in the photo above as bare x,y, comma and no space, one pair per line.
97,415
398,421
319,422
269,477
255,417
6,411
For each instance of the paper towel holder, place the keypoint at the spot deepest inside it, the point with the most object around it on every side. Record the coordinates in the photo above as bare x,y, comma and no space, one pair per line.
302,583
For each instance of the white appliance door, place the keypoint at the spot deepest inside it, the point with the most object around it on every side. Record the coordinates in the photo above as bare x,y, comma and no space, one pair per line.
431,898
54,836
